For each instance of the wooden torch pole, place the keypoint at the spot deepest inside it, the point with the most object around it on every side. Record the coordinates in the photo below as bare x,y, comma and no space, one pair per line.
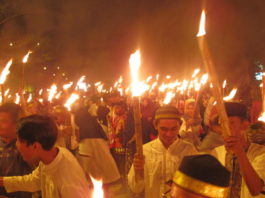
217,93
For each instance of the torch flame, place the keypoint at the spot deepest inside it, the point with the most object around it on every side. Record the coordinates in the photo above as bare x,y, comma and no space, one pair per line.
231,95
29,98
58,95
97,191
81,84
67,86
148,79
262,117
52,92
6,92
168,97
71,100
17,98
204,79
5,72
202,31
25,59
135,62
224,84
157,76
40,91
196,71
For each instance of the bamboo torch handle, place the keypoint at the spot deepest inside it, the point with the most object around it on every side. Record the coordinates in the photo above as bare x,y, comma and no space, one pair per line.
138,134
216,86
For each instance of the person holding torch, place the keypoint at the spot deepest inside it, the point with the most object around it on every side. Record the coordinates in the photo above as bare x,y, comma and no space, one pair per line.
161,157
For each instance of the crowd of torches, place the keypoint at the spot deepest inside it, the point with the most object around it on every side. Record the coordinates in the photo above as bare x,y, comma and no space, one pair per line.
166,88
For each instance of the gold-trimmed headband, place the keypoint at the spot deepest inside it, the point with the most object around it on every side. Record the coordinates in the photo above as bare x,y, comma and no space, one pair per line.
199,187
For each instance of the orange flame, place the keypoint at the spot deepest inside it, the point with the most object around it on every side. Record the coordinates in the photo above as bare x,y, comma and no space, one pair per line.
58,95
29,98
97,191
196,71
224,84
17,98
168,97
52,92
81,84
40,91
262,117
25,59
67,86
202,31
71,100
148,79
231,95
6,92
135,62
5,72
204,79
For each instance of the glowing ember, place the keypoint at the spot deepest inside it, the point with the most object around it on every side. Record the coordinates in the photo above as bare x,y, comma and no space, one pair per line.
25,59
71,100
202,31
196,71
231,95
52,92
135,62
168,97
5,72
97,191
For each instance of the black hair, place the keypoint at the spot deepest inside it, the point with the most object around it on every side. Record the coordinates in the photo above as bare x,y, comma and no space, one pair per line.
37,128
14,110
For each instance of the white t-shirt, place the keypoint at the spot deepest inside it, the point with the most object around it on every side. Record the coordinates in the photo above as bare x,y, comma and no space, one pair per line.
62,178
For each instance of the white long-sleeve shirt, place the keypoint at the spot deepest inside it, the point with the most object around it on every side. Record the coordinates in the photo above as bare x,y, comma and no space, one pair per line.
160,166
256,156
62,178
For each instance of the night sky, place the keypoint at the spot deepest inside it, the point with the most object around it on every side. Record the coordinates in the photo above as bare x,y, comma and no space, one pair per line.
96,37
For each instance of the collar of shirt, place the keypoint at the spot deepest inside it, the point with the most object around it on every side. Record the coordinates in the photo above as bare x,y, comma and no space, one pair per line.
52,167
159,146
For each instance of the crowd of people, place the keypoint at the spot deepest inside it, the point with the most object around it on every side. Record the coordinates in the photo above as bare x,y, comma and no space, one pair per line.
48,151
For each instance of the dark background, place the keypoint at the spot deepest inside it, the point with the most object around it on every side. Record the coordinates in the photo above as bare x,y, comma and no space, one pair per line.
96,37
